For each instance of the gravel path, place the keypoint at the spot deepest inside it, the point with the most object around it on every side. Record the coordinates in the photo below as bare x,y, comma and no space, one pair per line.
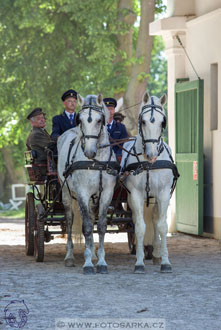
189,298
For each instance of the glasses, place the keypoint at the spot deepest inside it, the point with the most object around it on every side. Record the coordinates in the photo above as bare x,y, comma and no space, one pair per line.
71,101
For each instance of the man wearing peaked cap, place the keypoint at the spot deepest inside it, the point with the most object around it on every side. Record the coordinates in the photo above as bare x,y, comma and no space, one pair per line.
69,93
110,102
61,123
35,112
116,129
39,138
119,116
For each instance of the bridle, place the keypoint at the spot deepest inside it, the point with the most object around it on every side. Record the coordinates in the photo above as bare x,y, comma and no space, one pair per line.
96,108
151,108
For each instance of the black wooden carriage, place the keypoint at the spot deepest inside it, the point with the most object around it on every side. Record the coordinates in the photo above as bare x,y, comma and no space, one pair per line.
45,211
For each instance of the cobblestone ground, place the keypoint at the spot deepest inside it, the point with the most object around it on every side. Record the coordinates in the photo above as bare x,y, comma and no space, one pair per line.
189,298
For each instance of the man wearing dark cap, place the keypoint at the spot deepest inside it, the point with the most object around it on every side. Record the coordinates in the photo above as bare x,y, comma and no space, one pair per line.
119,117
38,138
61,123
116,129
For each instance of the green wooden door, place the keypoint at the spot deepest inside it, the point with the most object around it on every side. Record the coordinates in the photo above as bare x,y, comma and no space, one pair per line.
189,156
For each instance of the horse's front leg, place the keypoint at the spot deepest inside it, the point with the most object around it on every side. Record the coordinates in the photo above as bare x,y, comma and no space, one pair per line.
136,203
93,211
163,230
102,227
156,241
88,266
67,202
93,247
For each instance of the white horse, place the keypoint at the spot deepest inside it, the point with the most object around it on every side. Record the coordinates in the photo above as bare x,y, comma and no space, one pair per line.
149,166
90,173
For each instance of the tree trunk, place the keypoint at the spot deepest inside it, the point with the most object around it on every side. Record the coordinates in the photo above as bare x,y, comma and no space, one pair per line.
125,49
9,164
140,70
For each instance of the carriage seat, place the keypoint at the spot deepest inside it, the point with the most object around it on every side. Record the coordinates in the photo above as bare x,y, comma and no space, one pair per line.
39,170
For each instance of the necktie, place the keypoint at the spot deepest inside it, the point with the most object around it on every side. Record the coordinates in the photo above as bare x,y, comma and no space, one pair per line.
108,127
71,118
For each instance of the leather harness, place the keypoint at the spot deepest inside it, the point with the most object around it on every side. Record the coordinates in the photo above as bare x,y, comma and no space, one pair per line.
113,167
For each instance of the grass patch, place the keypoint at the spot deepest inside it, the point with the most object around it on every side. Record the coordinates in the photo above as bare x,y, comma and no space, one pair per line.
14,214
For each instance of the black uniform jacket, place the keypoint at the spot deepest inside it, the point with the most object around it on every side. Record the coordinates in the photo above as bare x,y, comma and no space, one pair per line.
118,131
61,124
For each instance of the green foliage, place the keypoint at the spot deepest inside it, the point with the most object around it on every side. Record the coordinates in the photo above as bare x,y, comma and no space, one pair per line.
159,7
49,46
20,214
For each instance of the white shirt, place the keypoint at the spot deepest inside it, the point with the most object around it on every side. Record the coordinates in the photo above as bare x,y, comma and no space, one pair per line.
68,114
110,124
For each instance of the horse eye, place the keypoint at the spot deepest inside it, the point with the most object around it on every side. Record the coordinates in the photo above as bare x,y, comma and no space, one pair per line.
143,122
99,121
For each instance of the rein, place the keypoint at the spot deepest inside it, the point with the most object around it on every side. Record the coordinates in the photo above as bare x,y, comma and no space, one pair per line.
118,142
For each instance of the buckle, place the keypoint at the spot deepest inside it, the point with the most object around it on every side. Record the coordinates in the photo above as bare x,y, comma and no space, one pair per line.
112,171
139,170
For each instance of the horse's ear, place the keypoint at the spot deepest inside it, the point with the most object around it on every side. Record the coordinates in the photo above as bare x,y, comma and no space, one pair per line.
146,97
163,99
80,100
100,99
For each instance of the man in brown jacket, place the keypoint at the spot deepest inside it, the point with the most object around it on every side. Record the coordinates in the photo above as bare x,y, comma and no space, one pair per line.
39,138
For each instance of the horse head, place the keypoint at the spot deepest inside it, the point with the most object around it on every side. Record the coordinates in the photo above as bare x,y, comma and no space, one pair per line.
151,122
92,119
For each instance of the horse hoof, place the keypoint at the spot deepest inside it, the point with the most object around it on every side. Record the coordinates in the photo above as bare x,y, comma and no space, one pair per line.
102,269
148,251
88,270
156,261
139,270
69,263
166,268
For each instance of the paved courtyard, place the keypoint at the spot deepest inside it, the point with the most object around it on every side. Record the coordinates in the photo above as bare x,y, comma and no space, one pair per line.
49,294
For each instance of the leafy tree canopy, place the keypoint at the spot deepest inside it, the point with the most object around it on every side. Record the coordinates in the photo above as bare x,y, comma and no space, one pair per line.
49,46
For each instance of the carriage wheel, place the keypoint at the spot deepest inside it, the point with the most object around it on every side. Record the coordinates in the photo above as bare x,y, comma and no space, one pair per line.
29,224
131,242
39,234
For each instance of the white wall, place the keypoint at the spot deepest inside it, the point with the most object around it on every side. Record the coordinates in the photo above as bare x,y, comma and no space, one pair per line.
191,7
203,44
202,39
180,7
205,6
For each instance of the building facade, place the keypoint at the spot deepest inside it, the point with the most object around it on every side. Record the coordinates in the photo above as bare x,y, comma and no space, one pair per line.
197,24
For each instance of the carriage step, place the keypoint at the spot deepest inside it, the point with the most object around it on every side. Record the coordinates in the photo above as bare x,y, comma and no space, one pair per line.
117,212
56,232
118,220
56,219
